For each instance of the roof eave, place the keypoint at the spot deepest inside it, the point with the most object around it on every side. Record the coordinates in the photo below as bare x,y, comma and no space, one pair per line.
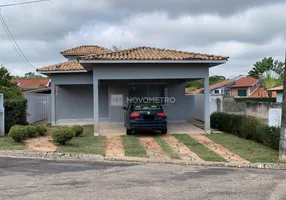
67,71
216,62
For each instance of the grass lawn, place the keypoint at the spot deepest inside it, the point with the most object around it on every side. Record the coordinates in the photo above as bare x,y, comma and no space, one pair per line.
199,149
166,148
247,149
6,143
86,143
132,146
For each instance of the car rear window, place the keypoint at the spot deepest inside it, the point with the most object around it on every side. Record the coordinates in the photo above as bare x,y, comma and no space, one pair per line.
146,106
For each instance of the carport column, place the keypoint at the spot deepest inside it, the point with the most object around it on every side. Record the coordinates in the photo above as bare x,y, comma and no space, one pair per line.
207,105
95,105
53,104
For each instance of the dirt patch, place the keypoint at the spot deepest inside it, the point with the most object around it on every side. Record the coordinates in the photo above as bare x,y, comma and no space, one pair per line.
184,152
218,149
114,146
41,144
153,149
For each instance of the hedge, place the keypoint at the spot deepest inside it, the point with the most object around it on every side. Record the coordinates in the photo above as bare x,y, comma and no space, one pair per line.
15,113
247,127
255,99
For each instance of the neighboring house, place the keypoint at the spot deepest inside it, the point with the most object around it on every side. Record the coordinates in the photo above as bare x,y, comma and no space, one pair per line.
279,93
217,88
244,87
236,87
31,84
96,82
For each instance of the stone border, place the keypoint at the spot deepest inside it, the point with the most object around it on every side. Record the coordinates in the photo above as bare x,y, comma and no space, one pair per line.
94,157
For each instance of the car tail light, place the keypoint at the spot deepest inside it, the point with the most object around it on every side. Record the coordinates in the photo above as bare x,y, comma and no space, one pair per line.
134,115
161,114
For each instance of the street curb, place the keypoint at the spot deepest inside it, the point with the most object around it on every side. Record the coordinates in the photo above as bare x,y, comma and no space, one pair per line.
94,157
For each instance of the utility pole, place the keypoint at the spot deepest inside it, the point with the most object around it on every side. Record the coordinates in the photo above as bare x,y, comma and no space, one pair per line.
282,145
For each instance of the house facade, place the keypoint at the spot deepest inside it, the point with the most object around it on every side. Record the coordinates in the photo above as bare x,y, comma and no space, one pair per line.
95,83
279,93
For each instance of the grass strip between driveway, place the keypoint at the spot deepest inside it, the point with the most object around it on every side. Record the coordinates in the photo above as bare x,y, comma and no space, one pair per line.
199,149
7,143
132,146
86,143
166,148
246,149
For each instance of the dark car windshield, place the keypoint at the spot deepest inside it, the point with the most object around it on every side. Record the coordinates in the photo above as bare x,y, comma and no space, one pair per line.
145,106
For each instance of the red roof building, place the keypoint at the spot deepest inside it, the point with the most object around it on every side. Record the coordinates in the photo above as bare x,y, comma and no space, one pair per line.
29,84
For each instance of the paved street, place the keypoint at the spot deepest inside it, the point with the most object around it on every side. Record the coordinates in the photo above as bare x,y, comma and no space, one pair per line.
41,179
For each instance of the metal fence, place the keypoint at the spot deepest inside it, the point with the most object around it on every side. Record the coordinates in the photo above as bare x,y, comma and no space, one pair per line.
39,107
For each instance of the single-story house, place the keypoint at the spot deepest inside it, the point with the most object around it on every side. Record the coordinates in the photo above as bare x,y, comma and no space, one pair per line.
279,93
95,83
27,84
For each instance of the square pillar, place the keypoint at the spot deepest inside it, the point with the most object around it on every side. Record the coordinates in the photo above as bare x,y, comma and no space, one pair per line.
53,103
95,105
207,105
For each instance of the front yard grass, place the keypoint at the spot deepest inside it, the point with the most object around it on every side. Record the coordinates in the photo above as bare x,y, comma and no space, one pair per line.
166,148
6,143
132,146
199,149
86,143
247,149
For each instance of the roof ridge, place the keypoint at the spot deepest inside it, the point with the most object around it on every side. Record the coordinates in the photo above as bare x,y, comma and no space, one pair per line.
71,49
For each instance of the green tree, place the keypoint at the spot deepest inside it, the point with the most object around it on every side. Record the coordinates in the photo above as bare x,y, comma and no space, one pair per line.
197,84
269,79
267,64
9,89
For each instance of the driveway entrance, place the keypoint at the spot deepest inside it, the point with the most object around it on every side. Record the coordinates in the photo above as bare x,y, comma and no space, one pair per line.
107,128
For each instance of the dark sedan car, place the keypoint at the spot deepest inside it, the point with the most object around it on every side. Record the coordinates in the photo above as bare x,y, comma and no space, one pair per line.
144,116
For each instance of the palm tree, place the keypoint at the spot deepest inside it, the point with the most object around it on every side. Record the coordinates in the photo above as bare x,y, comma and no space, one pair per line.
269,79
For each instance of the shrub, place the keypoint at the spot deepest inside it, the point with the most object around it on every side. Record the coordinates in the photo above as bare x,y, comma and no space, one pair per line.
247,127
15,113
18,133
63,135
78,130
31,131
41,130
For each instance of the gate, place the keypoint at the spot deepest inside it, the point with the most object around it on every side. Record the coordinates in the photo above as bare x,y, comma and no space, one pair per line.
38,107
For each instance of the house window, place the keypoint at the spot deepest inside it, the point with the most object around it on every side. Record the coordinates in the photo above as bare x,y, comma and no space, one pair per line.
149,90
241,93
216,91
227,93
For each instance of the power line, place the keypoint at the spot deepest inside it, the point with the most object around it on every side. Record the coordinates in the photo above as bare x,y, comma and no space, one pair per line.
28,2
15,44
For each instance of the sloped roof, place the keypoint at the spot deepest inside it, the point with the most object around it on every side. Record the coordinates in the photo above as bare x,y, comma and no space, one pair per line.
65,66
150,53
279,88
31,83
245,82
213,86
261,92
85,50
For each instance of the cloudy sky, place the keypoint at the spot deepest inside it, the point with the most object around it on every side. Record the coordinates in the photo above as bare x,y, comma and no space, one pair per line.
244,30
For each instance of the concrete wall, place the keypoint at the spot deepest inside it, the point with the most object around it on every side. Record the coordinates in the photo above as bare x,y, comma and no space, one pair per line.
199,106
279,96
72,78
260,109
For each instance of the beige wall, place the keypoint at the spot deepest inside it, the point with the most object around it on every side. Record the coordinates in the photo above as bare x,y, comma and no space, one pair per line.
234,91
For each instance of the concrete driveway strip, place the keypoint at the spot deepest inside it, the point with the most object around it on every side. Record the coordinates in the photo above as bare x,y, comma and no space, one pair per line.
27,179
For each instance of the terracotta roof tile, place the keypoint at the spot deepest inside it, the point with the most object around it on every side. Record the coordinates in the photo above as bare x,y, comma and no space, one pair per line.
31,83
213,86
245,82
65,66
149,53
85,50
